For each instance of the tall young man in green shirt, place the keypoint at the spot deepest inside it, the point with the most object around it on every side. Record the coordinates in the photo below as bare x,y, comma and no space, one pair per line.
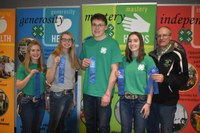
103,53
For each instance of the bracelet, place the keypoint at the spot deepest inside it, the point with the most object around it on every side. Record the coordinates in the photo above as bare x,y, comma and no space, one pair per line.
48,83
148,103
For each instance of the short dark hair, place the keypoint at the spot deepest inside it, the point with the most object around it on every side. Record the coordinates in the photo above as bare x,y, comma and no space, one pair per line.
99,16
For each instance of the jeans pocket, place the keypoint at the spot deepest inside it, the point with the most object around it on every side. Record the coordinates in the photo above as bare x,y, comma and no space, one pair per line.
21,101
24,100
142,99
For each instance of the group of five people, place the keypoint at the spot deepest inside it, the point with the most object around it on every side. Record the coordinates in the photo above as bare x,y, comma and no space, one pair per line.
100,59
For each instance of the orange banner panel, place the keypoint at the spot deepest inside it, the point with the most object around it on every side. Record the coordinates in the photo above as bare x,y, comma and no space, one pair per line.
7,56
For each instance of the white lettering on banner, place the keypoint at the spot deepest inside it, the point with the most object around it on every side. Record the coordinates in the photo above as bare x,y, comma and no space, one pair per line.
146,38
5,38
136,9
55,38
63,12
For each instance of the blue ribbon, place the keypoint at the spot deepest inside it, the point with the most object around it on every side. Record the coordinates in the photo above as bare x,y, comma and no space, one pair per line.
37,85
151,83
92,77
121,82
61,71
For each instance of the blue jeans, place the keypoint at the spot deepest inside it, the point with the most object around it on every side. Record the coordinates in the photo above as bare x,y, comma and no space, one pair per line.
129,110
97,117
161,114
31,115
60,104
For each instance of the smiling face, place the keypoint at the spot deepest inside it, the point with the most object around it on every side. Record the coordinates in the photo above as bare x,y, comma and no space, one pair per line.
163,36
35,53
98,29
66,41
134,44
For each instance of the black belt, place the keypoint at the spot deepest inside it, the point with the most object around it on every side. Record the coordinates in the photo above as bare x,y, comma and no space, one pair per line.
68,91
64,92
33,98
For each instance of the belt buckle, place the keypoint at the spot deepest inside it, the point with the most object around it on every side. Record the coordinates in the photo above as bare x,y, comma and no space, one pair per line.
131,96
135,96
34,99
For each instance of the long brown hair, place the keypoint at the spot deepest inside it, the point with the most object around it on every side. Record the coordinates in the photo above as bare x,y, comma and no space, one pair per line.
72,50
27,60
141,53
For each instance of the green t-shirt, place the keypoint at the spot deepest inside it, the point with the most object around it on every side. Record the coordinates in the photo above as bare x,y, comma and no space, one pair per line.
136,74
106,52
29,89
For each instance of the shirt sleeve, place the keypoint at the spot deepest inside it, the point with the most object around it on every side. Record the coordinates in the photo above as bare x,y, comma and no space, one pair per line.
82,54
150,62
50,61
116,53
20,74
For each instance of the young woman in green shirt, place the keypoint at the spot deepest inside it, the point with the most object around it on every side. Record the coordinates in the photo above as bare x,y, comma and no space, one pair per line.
135,103
30,79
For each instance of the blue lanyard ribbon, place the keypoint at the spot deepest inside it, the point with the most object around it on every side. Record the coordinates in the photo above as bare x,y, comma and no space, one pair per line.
61,70
121,82
151,84
92,77
37,85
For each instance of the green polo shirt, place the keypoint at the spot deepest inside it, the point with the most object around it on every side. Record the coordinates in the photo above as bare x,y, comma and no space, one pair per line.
29,89
106,52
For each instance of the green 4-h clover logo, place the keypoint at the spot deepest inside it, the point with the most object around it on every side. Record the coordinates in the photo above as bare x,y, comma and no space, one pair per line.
185,35
167,62
109,30
38,31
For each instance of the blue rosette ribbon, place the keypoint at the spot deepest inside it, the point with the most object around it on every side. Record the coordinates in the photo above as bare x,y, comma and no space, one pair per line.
61,70
151,84
92,77
121,82
37,85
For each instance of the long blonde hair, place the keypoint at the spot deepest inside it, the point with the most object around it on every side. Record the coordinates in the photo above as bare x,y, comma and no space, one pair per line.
27,60
72,50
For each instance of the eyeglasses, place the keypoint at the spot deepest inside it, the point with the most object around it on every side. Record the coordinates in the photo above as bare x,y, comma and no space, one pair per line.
165,36
98,25
67,40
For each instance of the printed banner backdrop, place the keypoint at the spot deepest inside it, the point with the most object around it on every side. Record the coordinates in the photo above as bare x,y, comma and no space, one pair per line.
143,19
185,24
7,56
46,25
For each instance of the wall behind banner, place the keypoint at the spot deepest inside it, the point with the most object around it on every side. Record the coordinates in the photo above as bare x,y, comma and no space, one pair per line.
28,3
